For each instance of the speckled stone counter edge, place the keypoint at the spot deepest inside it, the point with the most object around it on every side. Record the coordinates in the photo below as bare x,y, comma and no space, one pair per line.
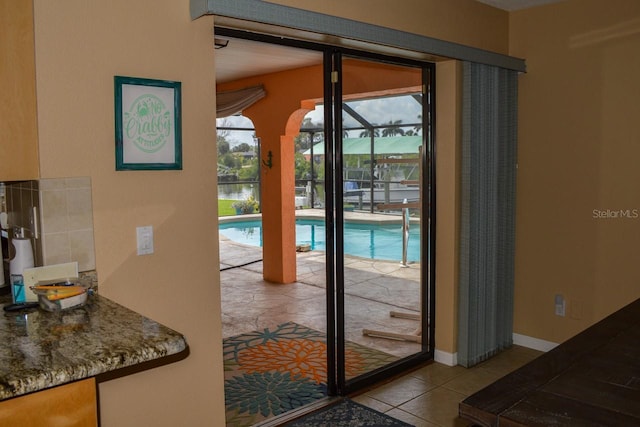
51,355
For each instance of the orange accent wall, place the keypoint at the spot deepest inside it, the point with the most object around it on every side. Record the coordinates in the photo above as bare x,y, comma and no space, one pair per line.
277,119
270,116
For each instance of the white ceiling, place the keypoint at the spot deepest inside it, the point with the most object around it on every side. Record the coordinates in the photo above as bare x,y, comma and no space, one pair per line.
245,58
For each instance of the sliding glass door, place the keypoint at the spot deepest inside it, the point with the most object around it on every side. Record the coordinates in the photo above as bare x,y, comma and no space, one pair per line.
379,218
369,142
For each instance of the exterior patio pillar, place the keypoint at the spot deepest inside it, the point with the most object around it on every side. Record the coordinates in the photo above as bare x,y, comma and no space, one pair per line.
278,204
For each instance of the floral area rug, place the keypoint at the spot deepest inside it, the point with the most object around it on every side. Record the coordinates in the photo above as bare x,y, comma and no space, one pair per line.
272,371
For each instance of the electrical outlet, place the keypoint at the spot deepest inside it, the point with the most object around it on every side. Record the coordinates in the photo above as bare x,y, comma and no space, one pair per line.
560,305
145,240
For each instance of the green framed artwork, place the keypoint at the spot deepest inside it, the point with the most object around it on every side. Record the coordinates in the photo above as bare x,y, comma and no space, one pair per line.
148,124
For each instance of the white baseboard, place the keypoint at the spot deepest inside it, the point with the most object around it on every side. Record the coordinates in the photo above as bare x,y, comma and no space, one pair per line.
449,359
533,343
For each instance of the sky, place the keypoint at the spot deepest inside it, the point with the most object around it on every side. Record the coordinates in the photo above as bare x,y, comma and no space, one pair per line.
237,137
376,111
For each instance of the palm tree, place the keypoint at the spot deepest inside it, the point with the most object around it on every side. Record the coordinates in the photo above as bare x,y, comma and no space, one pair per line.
367,133
393,129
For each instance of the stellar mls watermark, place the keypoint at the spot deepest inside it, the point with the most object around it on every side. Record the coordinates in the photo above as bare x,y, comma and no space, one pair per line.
615,213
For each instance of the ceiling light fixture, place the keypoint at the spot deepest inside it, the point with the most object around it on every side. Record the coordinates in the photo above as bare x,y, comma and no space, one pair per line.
220,43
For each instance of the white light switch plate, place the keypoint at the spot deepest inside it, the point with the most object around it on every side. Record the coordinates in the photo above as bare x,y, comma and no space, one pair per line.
145,240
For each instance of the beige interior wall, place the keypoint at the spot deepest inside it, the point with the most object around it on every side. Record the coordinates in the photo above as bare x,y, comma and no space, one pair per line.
80,46
448,117
466,22
578,137
579,145
18,126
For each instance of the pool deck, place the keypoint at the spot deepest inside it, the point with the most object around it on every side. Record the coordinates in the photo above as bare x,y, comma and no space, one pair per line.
373,288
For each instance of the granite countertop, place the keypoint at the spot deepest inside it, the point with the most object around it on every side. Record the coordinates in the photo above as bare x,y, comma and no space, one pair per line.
40,349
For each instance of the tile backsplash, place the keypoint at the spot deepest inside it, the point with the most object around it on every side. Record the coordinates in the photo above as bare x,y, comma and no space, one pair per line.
66,216
62,229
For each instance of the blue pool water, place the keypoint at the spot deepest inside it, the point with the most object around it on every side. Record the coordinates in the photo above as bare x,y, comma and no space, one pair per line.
363,240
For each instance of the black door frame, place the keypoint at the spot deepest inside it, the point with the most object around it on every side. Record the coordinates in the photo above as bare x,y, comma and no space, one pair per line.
332,61
427,265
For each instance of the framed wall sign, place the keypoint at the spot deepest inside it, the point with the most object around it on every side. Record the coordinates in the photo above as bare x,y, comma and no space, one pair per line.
148,124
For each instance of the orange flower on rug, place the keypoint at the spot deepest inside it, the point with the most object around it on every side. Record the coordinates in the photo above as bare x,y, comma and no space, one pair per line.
278,369
304,357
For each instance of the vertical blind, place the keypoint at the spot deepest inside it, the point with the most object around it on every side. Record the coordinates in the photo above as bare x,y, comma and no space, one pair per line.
487,230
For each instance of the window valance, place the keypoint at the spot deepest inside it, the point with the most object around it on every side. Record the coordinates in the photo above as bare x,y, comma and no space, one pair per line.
233,102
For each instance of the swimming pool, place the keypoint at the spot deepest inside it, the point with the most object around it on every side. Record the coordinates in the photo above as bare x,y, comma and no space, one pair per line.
372,241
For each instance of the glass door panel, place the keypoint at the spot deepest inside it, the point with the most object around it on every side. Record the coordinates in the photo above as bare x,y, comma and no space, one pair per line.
380,279
375,142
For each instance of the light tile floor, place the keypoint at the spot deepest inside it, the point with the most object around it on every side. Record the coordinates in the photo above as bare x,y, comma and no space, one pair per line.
428,396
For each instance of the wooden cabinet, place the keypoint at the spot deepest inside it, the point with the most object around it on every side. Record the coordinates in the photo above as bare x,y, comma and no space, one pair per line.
18,115
69,405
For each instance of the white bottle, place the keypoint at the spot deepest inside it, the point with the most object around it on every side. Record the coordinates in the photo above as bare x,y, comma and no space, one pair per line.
22,254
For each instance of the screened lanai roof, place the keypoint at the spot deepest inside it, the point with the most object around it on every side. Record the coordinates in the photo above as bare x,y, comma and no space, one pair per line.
382,145
398,114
